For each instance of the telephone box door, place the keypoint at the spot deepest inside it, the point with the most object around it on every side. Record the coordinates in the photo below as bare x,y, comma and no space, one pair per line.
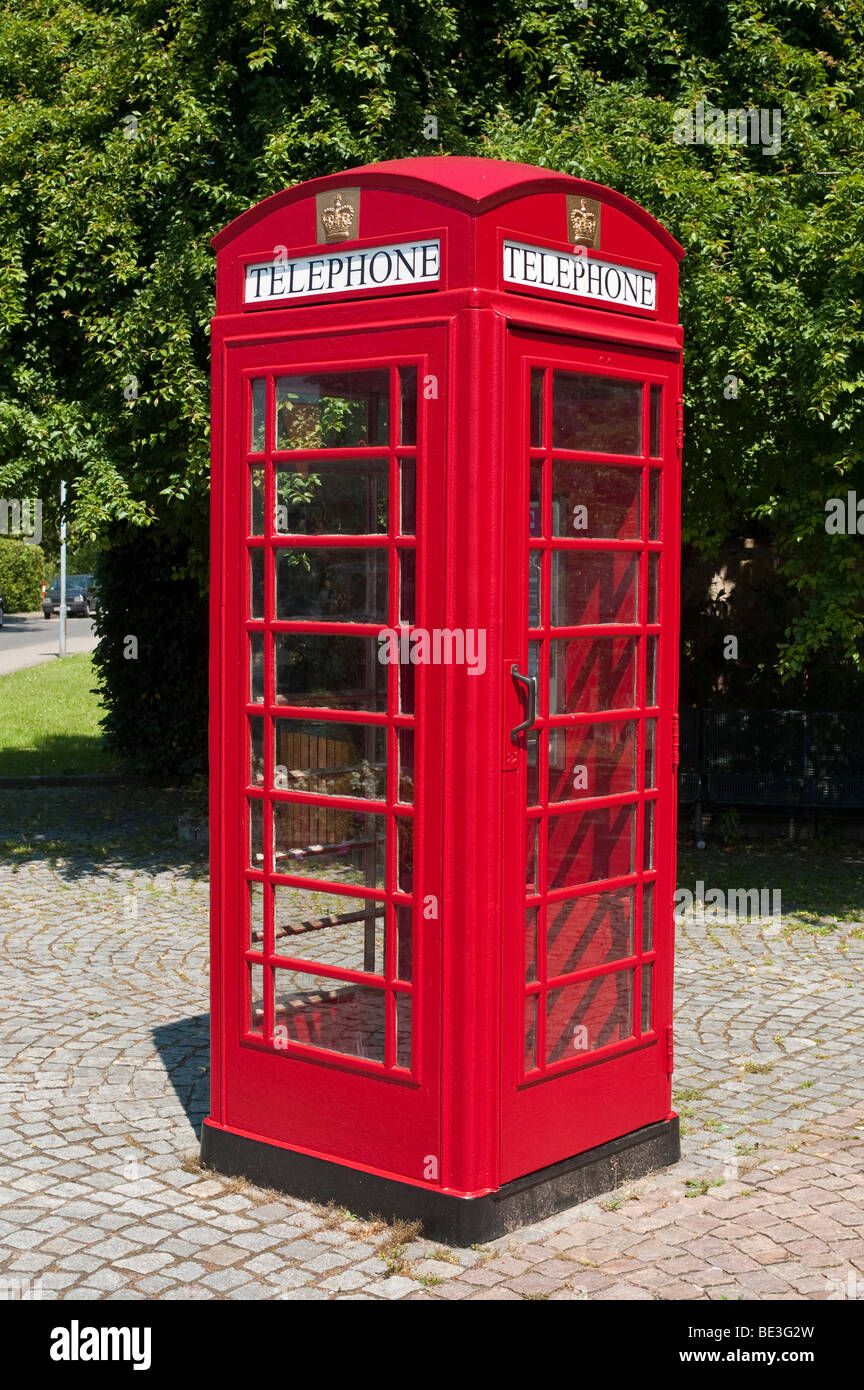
590,788
332,768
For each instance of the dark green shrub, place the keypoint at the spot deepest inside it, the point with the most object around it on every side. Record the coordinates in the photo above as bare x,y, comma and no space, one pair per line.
152,654
21,569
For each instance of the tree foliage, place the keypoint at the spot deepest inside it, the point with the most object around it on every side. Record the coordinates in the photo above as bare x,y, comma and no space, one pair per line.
130,133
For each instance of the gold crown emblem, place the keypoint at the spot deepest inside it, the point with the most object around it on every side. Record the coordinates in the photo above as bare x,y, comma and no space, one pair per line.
583,222
337,220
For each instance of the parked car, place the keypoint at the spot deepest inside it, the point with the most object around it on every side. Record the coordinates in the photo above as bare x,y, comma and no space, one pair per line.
81,596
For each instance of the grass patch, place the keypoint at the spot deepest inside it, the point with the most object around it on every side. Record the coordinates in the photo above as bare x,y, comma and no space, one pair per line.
49,720
820,885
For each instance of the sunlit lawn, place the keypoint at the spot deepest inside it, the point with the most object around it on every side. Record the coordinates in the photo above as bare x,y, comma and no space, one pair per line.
49,720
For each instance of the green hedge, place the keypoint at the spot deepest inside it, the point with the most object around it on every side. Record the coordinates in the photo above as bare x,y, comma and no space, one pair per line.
154,689
21,570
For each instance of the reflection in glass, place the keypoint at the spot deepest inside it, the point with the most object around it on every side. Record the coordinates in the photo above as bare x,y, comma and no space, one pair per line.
651,671
650,760
537,407
593,586
408,503
405,744
530,1032
319,1011
256,915
256,501
408,405
404,854
335,586
407,585
648,917
535,572
595,929
403,1030
654,504
648,836
597,414
590,1014
256,583
332,497
258,416
329,672
591,502
256,834
656,404
256,668
532,782
256,998
404,940
340,410
586,846
647,997
256,752
535,501
531,944
592,760
653,573
592,673
329,843
531,833
330,759
329,929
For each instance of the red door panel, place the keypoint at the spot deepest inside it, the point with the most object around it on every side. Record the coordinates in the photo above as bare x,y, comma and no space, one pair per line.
330,973
590,803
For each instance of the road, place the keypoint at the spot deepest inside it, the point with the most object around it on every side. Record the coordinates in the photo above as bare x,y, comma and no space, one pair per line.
26,640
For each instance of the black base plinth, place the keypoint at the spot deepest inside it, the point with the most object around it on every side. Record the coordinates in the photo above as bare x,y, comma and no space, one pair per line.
455,1220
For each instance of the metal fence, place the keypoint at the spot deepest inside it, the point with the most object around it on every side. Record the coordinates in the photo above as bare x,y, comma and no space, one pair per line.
805,759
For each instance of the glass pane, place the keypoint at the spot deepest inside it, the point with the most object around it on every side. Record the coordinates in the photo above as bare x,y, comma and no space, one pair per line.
406,688
256,915
592,760
256,501
648,917
318,1011
532,784
648,836
335,411
329,843
588,931
530,1032
597,414
328,929
585,846
408,504
531,944
404,940
535,570
403,1030
595,503
256,583
404,854
535,501
593,586
405,742
256,998
334,586
407,585
537,407
647,999
653,577
651,671
592,673
656,402
654,504
331,672
258,416
332,497
256,752
588,1015
650,760
330,759
256,668
531,829
408,405
256,834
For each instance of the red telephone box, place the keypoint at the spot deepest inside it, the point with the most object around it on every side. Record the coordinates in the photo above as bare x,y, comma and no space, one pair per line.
446,477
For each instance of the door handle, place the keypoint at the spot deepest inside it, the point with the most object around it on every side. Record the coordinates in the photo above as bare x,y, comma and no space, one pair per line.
530,684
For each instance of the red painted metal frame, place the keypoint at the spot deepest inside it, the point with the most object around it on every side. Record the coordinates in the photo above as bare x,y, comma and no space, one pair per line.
465,1120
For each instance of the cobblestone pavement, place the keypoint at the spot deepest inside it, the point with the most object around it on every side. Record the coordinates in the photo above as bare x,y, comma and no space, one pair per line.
103,950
